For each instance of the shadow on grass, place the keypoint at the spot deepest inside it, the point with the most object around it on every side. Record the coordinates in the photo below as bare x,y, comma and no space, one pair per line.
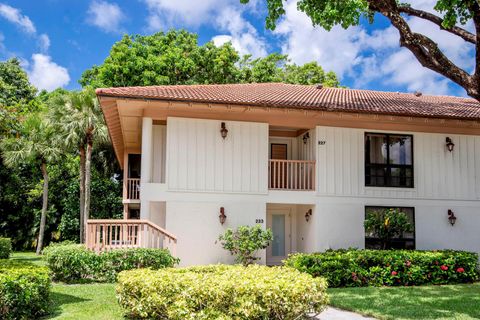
58,300
424,302
28,257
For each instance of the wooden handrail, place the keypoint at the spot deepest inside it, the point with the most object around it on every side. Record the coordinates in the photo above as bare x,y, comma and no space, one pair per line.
291,175
110,234
133,189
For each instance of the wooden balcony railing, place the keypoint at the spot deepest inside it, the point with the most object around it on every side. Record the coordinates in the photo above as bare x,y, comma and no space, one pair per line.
133,189
291,175
106,235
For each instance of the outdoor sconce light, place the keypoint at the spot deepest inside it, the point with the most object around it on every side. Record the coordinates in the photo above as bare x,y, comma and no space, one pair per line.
308,215
451,217
306,136
223,131
222,217
449,144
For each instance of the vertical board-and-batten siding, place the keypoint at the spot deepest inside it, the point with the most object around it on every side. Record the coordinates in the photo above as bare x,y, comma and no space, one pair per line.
438,173
159,146
200,160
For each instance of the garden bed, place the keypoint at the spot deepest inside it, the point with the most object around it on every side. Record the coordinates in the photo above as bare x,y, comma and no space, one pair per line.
357,268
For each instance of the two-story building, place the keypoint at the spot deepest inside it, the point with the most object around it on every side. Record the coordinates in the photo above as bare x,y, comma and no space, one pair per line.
306,161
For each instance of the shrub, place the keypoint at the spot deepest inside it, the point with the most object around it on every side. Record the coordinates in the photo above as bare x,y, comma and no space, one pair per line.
24,290
75,263
113,262
355,268
5,248
244,242
220,292
387,224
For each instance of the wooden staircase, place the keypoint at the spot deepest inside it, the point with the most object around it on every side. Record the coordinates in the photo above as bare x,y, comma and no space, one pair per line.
106,235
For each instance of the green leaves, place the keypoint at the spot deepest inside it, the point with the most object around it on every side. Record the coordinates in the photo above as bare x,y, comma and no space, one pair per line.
387,224
244,242
24,290
176,58
357,268
220,292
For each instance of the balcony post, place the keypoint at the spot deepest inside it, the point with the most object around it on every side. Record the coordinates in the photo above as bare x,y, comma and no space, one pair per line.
146,163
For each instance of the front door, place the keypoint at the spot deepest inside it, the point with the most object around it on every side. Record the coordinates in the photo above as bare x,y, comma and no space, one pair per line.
279,222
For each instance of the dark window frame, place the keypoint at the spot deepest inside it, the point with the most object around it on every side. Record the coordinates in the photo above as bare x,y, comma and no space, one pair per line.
388,166
414,239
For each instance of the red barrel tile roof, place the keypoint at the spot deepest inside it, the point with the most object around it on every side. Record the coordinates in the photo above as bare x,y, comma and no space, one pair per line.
280,95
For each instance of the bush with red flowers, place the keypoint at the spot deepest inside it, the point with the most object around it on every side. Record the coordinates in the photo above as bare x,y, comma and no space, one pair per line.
357,268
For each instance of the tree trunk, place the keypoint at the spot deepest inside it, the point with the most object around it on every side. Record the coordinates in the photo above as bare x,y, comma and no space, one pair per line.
88,166
43,217
82,193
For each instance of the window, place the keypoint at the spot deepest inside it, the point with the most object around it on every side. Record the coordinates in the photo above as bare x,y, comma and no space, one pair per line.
404,241
388,160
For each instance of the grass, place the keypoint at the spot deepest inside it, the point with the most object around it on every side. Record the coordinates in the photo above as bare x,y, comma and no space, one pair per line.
85,301
28,257
425,302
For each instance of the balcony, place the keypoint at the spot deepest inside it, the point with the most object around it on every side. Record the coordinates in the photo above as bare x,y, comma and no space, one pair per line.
132,190
106,235
291,175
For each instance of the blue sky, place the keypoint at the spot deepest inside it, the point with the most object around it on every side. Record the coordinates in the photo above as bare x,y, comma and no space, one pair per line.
57,40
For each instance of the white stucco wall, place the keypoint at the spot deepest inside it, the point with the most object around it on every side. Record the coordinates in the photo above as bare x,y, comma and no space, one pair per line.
197,227
199,159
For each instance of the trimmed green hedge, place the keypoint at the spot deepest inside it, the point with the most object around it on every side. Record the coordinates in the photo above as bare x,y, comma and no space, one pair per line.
5,248
220,292
74,263
356,268
24,290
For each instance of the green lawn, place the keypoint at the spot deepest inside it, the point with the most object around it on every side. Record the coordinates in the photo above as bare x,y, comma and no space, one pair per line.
28,257
85,301
426,302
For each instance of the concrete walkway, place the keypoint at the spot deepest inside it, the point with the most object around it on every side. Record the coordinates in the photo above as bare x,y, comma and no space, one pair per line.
337,314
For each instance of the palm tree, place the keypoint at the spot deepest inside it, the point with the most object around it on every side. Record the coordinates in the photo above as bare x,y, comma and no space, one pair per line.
34,144
80,124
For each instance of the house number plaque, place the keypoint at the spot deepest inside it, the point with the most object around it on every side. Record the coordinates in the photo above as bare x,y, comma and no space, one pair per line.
322,142
258,220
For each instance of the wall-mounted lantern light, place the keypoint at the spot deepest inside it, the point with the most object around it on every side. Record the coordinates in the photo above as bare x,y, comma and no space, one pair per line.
451,217
222,217
449,144
306,136
223,130
308,214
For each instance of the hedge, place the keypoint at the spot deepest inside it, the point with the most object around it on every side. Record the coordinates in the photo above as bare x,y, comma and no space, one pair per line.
73,263
356,268
24,290
220,292
5,248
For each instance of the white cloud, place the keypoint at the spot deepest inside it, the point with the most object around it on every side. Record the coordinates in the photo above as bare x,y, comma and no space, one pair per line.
44,42
243,35
106,16
46,74
13,15
224,15
371,57
193,13
336,50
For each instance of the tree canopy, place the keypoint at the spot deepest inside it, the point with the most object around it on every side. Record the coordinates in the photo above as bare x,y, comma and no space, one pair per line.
452,17
176,57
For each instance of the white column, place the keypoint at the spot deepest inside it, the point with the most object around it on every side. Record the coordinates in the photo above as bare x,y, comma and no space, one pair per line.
146,166
146,170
